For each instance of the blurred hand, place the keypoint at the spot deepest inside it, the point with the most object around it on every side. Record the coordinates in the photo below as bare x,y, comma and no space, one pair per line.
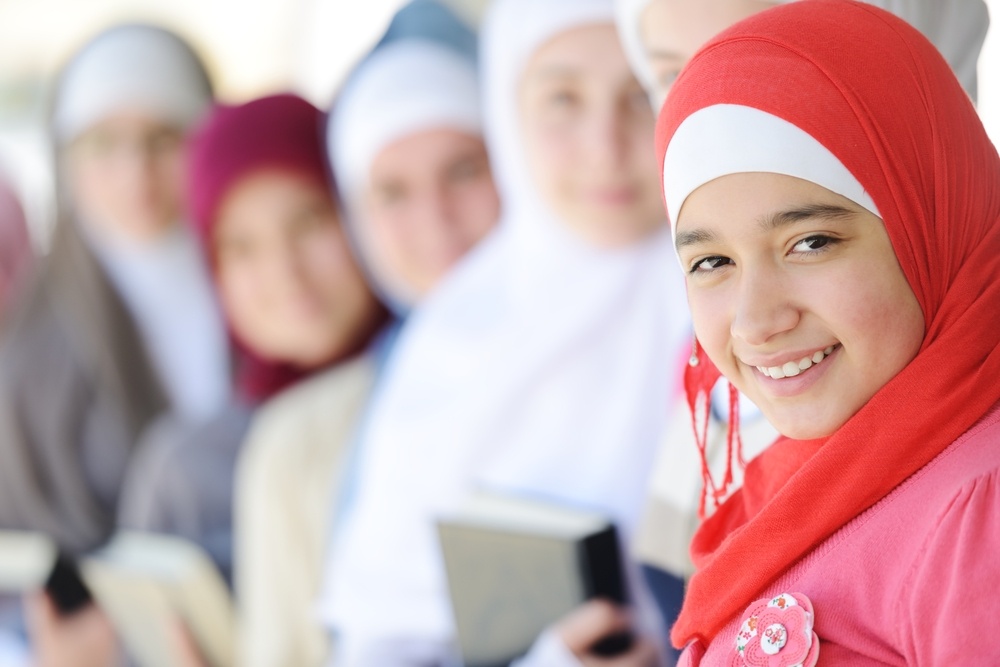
85,638
596,620
185,649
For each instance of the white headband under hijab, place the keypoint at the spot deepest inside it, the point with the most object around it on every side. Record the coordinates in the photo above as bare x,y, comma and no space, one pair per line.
726,139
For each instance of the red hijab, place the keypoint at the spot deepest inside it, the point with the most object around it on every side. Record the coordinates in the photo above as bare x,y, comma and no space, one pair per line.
280,131
876,94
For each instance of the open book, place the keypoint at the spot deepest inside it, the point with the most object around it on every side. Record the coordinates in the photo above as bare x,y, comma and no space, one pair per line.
145,583
516,566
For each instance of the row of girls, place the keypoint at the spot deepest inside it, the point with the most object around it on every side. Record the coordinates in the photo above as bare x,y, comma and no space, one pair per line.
516,223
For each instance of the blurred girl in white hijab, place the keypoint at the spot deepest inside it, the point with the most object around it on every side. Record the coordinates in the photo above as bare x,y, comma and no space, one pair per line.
404,139
543,364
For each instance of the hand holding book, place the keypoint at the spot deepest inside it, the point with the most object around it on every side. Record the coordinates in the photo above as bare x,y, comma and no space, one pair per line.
83,638
591,624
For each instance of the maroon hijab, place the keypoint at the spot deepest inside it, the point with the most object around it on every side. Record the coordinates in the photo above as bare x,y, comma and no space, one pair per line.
280,131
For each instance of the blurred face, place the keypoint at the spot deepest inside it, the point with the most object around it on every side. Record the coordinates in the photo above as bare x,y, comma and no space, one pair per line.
673,30
797,297
125,175
588,134
430,198
288,283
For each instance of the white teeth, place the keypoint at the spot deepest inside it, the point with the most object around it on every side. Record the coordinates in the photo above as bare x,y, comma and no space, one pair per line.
792,368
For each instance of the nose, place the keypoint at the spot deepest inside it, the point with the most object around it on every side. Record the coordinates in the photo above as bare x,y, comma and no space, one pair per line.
764,307
607,137
439,223
431,207
285,269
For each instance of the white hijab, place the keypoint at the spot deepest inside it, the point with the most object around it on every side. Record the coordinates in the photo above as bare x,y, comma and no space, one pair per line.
404,87
956,27
164,283
541,366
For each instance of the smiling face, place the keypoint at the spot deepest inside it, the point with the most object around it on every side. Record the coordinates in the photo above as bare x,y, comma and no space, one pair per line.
797,297
672,31
287,280
588,135
429,200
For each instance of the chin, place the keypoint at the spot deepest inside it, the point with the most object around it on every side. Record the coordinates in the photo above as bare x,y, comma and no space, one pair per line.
804,425
150,228
316,353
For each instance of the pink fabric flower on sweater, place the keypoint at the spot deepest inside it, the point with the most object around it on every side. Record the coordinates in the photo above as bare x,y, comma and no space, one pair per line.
778,633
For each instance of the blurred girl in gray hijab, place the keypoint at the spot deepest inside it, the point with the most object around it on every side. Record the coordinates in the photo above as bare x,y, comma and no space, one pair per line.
121,324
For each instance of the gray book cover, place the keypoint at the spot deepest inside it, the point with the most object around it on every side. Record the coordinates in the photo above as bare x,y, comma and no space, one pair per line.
514,567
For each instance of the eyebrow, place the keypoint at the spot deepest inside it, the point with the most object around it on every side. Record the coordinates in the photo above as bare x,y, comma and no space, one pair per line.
694,237
773,221
807,212
555,72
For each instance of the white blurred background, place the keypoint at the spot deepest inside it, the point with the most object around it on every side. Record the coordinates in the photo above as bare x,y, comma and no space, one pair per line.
252,47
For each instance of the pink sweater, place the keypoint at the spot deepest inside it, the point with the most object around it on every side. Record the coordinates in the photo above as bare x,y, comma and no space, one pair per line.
915,580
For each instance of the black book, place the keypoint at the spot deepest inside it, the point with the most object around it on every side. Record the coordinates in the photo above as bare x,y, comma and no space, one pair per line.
516,566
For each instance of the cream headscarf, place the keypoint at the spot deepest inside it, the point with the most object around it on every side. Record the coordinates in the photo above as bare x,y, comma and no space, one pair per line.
956,27
542,366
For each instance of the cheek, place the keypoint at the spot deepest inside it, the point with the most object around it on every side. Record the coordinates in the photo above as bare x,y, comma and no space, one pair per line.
876,310
643,154
479,208
243,296
388,237
169,179
551,150
326,261
711,315
90,186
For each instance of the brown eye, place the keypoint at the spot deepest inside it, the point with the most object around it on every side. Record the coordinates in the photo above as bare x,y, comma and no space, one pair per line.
814,244
709,264
235,249
390,194
563,99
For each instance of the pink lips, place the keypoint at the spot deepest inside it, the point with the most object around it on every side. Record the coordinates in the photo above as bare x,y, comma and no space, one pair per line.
612,196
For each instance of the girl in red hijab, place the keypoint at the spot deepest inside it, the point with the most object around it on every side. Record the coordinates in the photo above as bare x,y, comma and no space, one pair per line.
835,203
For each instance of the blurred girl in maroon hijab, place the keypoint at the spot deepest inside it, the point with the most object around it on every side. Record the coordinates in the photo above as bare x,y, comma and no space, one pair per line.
293,297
